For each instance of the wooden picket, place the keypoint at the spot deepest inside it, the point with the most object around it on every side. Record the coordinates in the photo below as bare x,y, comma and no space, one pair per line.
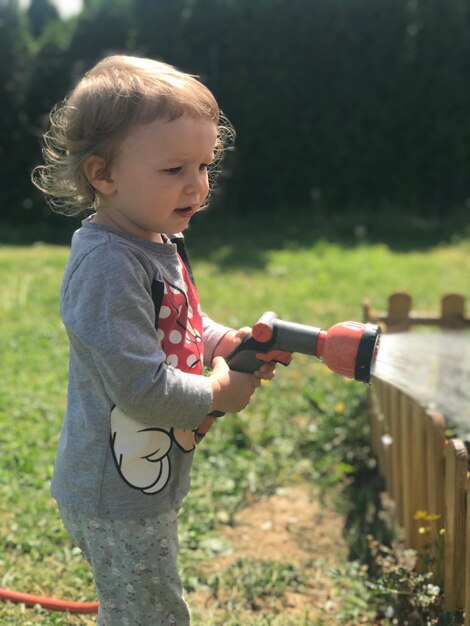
425,471
455,539
407,477
467,560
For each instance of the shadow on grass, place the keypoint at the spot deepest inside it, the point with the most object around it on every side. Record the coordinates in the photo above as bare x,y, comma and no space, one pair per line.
233,241
242,240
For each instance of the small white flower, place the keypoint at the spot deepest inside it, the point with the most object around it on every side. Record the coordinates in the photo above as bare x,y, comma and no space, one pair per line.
433,590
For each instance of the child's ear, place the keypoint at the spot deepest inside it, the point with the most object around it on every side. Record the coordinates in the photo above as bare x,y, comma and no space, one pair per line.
98,174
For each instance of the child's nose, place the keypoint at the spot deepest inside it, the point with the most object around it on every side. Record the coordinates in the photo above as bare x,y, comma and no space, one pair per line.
197,184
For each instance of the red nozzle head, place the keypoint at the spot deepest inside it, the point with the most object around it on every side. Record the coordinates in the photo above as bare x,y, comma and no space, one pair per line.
349,348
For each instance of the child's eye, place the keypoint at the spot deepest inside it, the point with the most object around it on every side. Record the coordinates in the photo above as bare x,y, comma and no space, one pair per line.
173,170
203,167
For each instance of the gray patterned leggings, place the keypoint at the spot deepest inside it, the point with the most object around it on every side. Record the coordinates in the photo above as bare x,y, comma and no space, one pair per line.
135,569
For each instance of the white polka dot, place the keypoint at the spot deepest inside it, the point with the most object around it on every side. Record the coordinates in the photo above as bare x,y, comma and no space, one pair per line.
165,288
176,336
190,311
165,312
160,334
192,360
172,360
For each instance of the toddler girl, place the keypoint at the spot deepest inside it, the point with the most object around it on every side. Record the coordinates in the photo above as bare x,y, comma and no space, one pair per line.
135,142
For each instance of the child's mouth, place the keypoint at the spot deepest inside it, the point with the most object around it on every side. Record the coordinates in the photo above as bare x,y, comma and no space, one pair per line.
186,211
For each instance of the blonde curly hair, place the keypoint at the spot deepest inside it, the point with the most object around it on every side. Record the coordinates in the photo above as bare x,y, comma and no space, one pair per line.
117,94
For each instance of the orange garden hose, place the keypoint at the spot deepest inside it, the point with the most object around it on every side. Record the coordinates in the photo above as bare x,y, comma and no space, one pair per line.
51,604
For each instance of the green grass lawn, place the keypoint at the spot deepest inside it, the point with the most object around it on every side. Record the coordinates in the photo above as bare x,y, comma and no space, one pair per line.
247,456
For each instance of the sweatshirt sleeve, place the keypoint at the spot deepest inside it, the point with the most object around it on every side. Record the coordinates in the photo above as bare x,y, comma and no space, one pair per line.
109,315
212,333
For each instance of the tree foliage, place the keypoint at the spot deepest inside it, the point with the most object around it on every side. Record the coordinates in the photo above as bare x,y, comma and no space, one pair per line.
40,14
344,102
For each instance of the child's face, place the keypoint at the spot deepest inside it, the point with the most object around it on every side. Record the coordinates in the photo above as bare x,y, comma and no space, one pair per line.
159,178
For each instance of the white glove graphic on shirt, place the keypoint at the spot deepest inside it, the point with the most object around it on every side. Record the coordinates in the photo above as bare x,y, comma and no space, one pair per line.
140,452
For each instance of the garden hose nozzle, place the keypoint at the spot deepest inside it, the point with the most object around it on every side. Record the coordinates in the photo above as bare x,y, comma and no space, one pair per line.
347,348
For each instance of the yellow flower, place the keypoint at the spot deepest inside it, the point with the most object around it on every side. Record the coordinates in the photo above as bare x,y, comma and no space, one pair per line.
422,530
432,517
340,407
442,531
420,515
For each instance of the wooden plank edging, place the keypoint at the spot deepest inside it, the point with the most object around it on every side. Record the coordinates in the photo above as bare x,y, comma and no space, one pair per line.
455,529
427,476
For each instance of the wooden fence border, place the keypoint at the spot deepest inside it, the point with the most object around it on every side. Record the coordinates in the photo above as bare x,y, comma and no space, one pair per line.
400,316
426,474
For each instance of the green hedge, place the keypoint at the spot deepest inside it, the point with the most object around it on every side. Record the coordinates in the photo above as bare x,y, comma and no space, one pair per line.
347,103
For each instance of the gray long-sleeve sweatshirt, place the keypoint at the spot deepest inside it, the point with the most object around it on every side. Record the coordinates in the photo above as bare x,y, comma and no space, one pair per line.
135,393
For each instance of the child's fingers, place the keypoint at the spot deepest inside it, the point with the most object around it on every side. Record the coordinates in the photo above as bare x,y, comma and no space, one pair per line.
266,372
241,334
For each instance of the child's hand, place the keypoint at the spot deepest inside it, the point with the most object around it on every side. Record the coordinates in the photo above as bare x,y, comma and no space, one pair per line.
231,390
232,340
